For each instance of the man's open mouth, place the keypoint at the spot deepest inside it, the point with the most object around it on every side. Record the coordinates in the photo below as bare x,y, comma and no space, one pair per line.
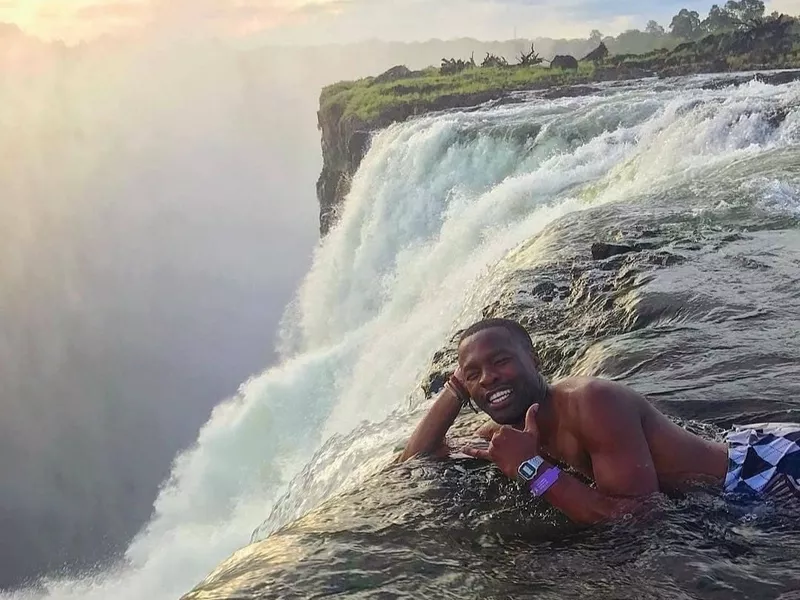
499,398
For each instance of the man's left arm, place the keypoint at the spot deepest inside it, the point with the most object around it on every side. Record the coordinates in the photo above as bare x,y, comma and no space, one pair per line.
622,466
621,462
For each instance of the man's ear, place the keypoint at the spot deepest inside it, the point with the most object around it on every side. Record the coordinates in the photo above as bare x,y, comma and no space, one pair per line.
536,360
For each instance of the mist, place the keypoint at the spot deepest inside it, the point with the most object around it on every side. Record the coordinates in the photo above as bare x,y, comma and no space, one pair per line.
157,213
157,210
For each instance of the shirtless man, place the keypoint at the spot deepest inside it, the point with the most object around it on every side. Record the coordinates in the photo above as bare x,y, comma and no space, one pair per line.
603,430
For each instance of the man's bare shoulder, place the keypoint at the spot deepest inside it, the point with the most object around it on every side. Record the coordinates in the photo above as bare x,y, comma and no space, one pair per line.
590,395
591,388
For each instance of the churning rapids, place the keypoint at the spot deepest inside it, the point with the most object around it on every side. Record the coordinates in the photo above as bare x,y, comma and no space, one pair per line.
495,212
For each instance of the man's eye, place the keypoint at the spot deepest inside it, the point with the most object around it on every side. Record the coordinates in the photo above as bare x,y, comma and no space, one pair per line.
502,360
471,375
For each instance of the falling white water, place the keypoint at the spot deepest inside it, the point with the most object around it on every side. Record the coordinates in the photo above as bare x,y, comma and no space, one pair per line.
436,204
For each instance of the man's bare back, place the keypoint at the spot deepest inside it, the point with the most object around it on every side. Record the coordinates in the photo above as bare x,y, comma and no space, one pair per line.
601,429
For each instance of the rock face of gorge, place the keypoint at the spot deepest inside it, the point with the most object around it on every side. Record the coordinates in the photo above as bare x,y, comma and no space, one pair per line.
344,143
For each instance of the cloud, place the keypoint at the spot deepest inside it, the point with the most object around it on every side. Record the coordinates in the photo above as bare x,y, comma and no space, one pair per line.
220,17
324,21
113,11
419,20
240,17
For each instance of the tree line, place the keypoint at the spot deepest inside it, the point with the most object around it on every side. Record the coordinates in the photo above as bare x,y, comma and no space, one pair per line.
688,25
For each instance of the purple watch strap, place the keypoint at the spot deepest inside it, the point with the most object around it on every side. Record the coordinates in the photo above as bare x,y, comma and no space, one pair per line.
543,483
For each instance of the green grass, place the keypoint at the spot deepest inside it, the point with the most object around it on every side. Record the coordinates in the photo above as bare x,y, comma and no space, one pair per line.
378,104
368,100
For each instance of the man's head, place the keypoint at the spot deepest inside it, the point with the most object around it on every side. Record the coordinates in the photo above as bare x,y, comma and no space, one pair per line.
500,369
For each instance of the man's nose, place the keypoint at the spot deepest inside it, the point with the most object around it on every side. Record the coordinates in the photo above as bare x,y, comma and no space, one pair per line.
488,377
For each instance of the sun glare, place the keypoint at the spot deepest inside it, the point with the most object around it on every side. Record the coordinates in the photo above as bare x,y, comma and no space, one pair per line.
75,20
19,12
68,20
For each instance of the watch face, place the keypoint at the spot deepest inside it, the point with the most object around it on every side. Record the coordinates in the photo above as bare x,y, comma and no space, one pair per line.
529,468
527,471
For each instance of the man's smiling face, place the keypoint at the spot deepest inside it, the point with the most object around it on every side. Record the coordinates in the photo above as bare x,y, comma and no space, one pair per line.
501,374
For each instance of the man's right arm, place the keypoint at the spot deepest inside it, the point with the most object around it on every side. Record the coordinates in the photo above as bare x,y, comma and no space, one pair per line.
428,437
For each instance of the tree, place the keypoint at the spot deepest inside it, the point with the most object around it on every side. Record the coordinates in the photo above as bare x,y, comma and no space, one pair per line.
734,15
492,60
745,11
529,59
450,66
654,28
595,37
718,20
634,41
686,24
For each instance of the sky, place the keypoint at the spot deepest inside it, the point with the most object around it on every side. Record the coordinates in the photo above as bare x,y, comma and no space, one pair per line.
342,21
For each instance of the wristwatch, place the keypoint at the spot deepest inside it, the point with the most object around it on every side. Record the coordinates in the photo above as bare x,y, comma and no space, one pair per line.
528,470
531,475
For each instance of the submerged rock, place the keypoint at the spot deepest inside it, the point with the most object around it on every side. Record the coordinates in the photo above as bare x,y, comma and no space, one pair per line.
603,250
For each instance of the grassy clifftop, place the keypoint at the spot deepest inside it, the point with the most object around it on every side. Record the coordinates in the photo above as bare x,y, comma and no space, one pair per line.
366,99
382,100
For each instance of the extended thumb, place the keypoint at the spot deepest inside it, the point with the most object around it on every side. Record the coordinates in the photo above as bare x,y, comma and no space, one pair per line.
530,418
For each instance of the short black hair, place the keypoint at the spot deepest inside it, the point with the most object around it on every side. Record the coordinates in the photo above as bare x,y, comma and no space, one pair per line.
513,327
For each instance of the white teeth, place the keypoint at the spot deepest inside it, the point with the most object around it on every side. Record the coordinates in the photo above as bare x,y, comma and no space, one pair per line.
499,396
